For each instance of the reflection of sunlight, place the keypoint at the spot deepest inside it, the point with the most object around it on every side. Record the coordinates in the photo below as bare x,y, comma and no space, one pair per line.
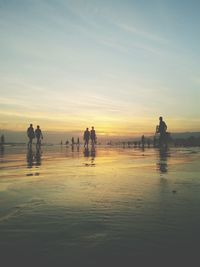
114,178
103,178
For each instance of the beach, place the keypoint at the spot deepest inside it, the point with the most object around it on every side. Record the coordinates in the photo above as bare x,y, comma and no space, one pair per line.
108,206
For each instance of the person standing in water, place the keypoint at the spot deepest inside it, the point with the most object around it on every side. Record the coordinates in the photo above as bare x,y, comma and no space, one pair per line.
38,135
93,136
86,137
30,134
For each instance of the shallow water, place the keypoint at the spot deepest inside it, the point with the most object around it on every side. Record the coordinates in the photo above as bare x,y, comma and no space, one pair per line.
105,206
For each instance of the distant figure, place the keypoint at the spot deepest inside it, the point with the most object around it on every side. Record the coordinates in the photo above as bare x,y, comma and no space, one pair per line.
38,135
2,140
61,143
30,134
72,141
78,141
162,129
143,141
148,142
93,136
86,137
67,143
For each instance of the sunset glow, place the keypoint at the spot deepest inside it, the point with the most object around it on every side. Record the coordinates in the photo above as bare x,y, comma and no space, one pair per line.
67,65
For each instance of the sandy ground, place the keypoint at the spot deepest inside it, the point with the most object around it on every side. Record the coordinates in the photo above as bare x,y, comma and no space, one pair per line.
102,207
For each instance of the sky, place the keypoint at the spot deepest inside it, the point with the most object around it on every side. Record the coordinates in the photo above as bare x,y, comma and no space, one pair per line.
116,65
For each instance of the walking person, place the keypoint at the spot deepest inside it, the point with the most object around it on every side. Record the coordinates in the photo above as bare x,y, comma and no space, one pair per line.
30,134
93,136
38,135
86,137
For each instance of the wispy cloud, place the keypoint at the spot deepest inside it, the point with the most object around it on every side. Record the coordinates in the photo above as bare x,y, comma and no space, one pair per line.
142,33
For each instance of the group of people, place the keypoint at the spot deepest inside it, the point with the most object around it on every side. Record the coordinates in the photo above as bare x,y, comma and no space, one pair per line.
37,133
89,135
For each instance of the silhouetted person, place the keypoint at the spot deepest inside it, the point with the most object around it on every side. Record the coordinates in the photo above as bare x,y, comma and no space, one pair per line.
2,140
143,141
38,135
67,143
93,136
72,141
162,129
78,141
86,137
30,134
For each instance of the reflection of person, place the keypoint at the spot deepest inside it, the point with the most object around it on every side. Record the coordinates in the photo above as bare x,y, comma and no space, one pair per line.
162,163
30,157
38,135
86,137
93,136
86,152
93,152
30,134
38,156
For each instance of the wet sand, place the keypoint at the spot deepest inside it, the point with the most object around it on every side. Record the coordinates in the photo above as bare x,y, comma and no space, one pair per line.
102,207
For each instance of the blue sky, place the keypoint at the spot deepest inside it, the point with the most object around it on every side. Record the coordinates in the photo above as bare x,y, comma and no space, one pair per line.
115,64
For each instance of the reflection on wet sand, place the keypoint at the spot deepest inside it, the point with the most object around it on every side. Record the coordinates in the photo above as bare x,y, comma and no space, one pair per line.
33,157
123,204
90,153
2,151
164,154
